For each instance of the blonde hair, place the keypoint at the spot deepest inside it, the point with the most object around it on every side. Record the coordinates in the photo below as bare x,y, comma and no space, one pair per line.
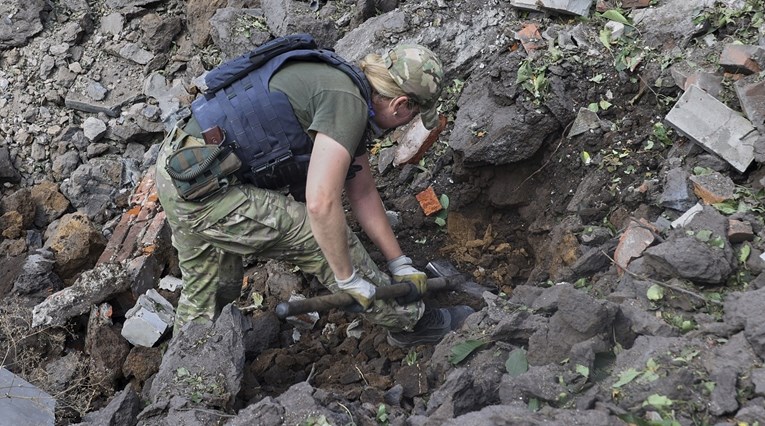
374,68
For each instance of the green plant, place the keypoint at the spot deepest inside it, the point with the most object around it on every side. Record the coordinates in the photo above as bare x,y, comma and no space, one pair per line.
411,357
441,216
382,415
533,79
462,350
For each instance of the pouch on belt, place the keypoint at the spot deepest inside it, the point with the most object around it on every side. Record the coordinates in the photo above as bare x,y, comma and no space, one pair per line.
199,170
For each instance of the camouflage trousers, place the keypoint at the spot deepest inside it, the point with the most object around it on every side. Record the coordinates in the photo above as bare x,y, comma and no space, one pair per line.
212,236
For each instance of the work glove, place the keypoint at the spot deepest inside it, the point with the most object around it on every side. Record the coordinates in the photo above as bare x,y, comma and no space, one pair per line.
362,291
402,270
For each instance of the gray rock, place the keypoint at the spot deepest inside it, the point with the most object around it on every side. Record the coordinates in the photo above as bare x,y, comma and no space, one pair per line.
212,354
122,410
147,321
660,26
8,172
690,259
93,128
38,274
228,35
133,52
677,193
112,24
518,413
21,20
93,186
94,286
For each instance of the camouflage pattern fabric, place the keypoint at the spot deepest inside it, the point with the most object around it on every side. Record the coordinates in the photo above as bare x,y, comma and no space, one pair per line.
211,237
419,73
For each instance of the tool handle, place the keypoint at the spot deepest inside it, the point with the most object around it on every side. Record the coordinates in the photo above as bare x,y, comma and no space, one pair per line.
340,299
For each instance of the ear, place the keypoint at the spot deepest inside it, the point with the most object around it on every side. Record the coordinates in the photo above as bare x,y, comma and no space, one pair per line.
399,102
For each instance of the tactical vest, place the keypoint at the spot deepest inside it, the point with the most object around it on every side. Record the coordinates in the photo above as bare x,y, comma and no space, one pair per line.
259,125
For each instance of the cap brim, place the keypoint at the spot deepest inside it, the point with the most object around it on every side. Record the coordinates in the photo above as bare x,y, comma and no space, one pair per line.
429,117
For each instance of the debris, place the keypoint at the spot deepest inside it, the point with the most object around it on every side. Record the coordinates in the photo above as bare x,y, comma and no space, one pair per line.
416,140
585,121
636,238
677,195
303,321
148,320
687,217
713,125
24,404
616,29
570,7
739,231
741,59
713,188
170,283
635,4
429,201
530,38
526,5
751,97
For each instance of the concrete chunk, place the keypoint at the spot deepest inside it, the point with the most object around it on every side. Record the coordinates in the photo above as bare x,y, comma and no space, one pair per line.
717,128
570,7
148,320
751,97
687,217
23,404
92,287
714,187
525,5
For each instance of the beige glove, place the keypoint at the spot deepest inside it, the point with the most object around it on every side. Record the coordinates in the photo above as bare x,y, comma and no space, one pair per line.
402,270
362,291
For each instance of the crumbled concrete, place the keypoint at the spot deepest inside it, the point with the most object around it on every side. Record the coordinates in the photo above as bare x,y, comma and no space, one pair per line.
687,217
713,187
717,128
148,320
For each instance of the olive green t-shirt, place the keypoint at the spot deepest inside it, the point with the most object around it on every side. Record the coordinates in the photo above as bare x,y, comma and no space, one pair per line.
325,100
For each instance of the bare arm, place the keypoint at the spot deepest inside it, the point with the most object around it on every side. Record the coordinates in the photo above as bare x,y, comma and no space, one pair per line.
324,187
368,209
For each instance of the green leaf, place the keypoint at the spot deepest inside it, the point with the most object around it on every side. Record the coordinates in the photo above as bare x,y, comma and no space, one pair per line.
597,79
658,401
704,235
524,72
444,199
533,405
517,363
462,350
604,105
257,299
743,255
182,372
593,107
439,221
726,207
717,242
583,371
649,376
614,15
586,158
625,377
649,145
605,38
655,292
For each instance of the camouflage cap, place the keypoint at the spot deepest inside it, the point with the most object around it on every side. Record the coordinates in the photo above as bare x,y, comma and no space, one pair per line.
418,72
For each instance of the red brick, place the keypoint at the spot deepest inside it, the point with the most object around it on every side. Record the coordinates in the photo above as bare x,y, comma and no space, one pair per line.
739,231
739,58
530,38
429,201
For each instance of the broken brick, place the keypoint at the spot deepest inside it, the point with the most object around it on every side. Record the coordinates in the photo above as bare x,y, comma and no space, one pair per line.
633,242
739,231
752,100
740,59
531,38
429,201
416,141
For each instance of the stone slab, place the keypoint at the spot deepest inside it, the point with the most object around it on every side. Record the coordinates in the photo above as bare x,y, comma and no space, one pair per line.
570,7
719,129
24,404
525,5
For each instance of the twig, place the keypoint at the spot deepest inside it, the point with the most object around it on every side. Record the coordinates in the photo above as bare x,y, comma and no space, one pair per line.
665,285
362,375
311,374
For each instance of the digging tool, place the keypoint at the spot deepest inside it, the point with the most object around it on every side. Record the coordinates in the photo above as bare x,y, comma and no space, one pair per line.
447,278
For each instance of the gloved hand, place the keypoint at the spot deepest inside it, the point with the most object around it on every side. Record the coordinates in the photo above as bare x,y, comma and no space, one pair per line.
402,270
362,291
